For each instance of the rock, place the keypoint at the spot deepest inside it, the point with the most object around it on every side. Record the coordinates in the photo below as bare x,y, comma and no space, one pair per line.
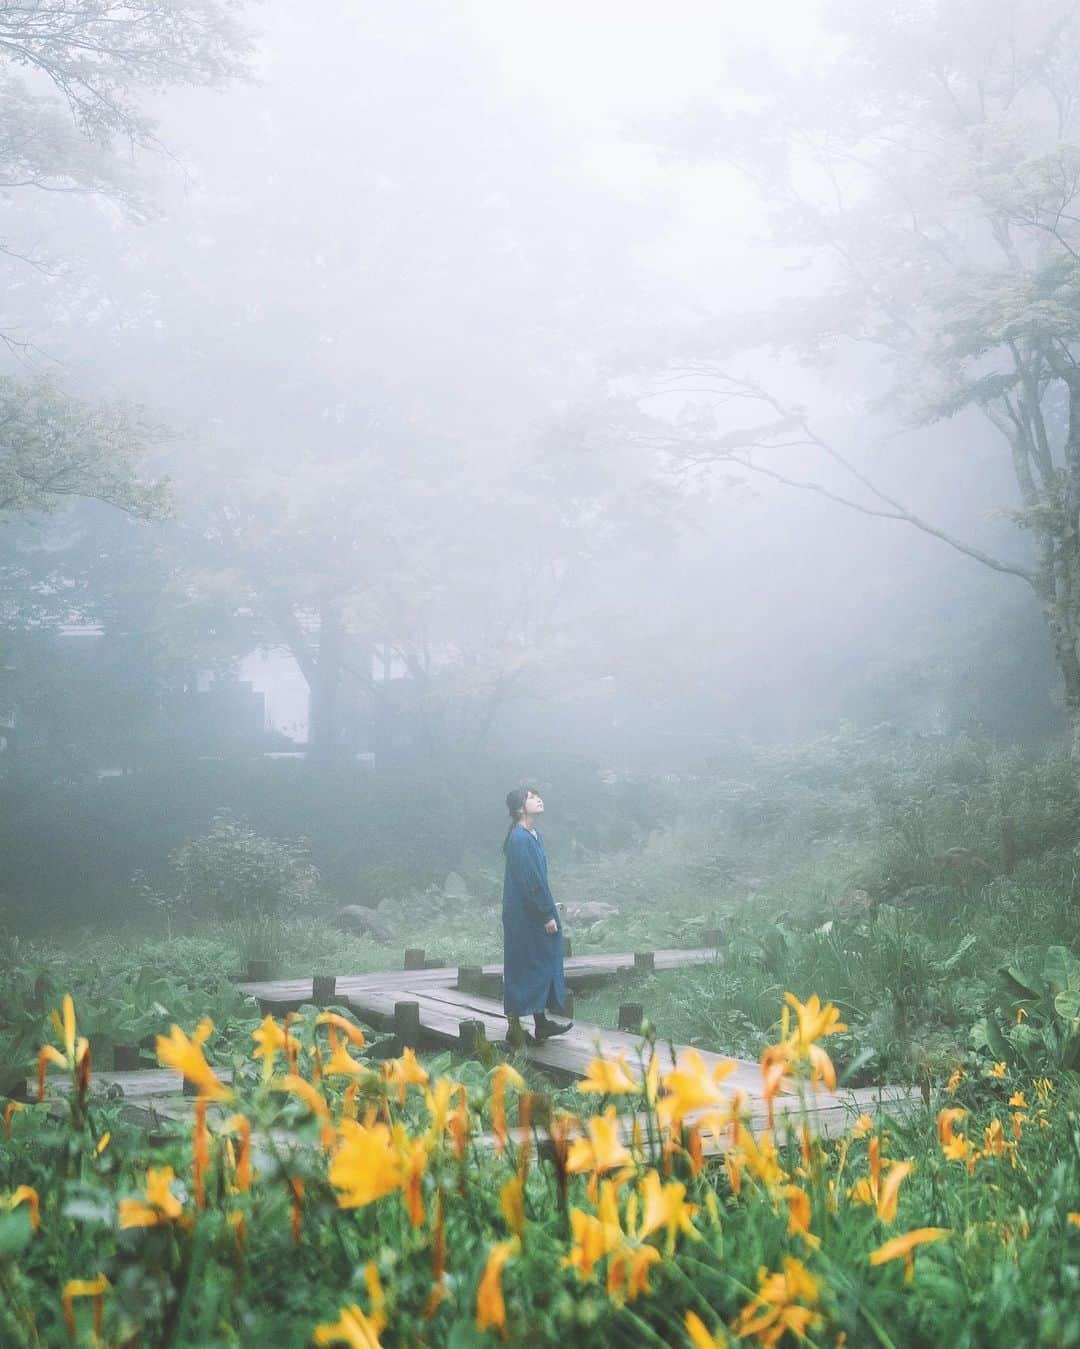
454,887
855,903
591,910
364,922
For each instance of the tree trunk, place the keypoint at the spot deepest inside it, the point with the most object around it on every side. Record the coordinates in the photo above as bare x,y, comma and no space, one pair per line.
1065,560
324,684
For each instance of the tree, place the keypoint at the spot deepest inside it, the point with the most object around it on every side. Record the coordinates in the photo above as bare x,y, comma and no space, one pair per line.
54,446
98,57
926,179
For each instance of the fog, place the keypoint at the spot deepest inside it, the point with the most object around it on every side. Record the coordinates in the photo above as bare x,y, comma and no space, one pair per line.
428,316
539,672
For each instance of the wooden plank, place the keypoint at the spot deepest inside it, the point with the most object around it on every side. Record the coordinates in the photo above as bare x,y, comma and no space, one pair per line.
577,969
143,1085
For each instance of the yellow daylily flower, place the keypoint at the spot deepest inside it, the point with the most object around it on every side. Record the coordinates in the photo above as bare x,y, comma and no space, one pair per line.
353,1033
313,1099
10,1110
366,1165
628,1271
413,1153
665,1206
438,1101
341,1062
270,1040
873,1191
76,1053
352,1328
785,1301
594,1237
998,1070
902,1247
1017,1099
799,1214
759,1156
945,1121
404,1072
954,1080
240,1124
607,1078
95,1288
691,1086
490,1304
699,1335
601,1152
863,1125
502,1076
512,1203
176,1051
813,1020
26,1194
890,1190
160,1204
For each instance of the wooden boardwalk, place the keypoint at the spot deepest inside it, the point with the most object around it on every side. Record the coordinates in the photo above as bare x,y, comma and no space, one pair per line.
450,1008
580,971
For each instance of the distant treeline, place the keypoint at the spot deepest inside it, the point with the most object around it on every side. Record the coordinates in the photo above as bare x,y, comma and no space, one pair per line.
70,850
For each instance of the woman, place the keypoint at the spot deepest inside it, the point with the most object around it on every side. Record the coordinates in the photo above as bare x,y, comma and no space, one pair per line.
532,934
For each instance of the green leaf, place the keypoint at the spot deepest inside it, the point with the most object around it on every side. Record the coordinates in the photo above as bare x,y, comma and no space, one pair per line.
1020,983
15,1232
958,955
985,1034
1061,969
1067,1004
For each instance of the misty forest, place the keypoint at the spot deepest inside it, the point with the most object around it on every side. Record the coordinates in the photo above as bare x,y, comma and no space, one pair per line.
539,673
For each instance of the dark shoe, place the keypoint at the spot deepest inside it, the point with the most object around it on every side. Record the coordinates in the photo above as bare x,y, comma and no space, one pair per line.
516,1035
545,1029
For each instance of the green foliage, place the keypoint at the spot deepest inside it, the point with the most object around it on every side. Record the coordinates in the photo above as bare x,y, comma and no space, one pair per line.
235,874
1038,1019
250,1263
912,962
56,447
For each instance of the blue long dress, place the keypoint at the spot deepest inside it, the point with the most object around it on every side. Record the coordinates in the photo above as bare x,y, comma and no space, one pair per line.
532,958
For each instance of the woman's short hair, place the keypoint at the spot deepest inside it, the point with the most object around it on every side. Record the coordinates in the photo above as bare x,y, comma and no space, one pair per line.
515,800
515,805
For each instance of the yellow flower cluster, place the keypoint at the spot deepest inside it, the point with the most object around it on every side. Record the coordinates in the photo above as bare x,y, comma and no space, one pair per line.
635,1214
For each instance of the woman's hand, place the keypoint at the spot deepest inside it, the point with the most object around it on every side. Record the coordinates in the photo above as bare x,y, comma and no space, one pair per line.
551,927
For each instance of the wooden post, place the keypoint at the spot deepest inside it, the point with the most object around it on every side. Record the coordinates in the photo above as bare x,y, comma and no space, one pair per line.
469,977
1008,844
567,946
414,958
190,1088
258,971
712,937
644,962
568,1004
631,1015
324,990
472,1036
126,1058
407,1023
434,963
